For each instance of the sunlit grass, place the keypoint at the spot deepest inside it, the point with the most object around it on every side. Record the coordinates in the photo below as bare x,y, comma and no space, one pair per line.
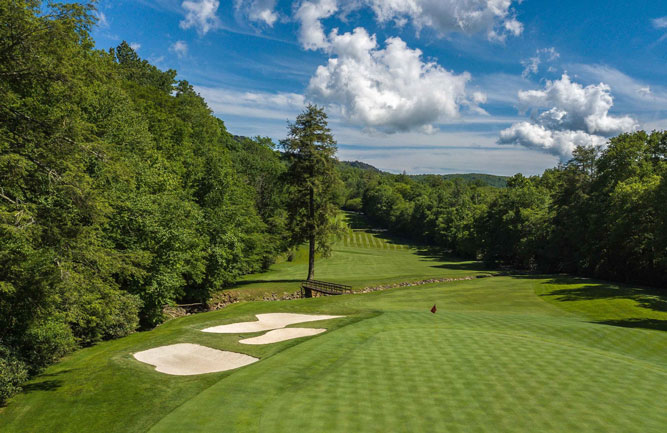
360,259
502,354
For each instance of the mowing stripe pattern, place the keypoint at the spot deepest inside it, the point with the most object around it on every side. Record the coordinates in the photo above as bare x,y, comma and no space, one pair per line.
364,239
494,358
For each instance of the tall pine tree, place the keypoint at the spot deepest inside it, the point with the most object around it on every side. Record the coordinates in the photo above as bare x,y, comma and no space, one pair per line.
312,179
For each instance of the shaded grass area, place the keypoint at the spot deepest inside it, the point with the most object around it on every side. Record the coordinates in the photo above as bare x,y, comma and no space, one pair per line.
494,358
608,303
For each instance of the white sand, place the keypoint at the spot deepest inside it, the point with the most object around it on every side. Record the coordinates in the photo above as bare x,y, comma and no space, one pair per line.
186,359
266,322
282,334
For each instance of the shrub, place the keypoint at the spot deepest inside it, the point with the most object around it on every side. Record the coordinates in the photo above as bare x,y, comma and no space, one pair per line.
46,342
354,204
12,374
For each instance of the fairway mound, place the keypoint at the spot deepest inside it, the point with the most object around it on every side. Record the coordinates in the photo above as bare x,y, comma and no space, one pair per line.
278,335
186,359
267,322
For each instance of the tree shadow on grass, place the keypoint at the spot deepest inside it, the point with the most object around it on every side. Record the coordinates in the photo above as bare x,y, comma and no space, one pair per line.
452,262
358,221
44,382
40,385
654,303
592,292
45,385
660,325
645,297
463,265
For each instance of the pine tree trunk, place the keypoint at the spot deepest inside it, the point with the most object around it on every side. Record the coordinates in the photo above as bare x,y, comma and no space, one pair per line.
311,236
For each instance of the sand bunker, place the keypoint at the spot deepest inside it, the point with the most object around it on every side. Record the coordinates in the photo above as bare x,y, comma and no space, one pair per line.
282,335
186,359
266,322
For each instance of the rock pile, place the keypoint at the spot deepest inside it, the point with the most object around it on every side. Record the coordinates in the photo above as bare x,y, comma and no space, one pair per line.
418,283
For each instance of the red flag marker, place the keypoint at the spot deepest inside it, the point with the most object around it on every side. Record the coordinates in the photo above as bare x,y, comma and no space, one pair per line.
433,310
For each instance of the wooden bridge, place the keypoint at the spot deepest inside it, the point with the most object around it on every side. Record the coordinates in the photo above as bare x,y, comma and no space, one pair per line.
308,286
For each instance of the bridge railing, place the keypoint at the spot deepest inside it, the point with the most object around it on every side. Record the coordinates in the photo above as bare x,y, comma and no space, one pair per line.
324,287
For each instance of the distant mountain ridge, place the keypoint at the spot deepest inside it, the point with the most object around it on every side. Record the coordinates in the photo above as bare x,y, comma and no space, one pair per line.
486,179
361,165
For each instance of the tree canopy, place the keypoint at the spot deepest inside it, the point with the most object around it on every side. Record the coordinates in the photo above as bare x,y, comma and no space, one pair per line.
602,214
120,192
313,180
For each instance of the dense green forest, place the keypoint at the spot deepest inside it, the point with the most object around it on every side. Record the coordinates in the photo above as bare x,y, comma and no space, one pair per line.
602,214
479,178
120,193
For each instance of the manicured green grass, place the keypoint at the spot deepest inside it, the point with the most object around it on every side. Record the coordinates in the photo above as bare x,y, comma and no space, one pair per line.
360,259
502,354
612,304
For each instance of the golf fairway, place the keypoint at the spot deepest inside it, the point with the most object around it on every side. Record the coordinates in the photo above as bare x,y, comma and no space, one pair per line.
501,354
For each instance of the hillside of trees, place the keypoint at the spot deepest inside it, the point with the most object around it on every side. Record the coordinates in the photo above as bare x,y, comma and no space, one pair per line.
603,214
478,178
121,193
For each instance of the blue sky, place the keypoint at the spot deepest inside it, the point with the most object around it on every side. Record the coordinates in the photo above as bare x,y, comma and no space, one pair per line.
425,86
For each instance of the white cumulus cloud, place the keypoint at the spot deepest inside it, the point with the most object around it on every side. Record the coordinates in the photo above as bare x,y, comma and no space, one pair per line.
200,14
635,94
564,115
495,17
390,89
135,46
309,14
180,48
259,10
